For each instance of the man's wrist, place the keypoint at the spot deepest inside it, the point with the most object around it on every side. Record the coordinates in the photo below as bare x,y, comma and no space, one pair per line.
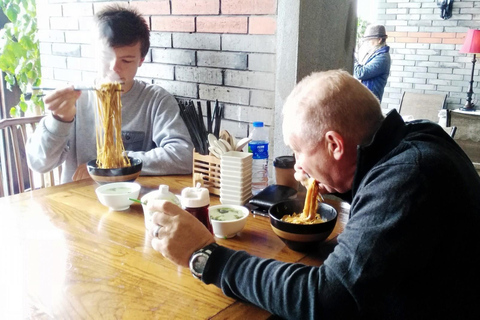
199,259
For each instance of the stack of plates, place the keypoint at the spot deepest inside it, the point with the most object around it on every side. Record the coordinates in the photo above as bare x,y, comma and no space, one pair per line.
235,177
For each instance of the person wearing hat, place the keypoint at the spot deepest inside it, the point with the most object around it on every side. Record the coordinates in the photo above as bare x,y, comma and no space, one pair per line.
372,62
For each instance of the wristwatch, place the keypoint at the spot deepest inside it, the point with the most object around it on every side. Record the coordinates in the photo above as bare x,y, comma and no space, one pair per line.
199,258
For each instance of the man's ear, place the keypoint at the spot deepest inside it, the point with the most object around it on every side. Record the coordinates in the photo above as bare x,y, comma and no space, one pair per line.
335,144
141,62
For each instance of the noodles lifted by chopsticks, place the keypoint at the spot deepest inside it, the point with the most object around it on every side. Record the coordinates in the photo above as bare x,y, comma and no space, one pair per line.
309,214
108,127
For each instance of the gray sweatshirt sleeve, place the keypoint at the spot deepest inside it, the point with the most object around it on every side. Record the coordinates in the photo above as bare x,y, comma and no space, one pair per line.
168,147
47,147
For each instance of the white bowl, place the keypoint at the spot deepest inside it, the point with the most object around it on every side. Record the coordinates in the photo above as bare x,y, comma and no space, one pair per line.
236,219
116,195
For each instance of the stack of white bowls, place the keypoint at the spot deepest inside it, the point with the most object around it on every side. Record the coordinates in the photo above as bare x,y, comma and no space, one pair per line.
235,177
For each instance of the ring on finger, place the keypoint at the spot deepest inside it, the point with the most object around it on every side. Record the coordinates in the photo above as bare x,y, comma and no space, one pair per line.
156,230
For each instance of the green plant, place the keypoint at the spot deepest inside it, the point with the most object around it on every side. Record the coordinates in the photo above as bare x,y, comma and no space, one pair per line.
361,26
19,52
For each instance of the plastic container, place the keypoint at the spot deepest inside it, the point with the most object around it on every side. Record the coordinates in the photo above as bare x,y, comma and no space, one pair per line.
259,148
162,193
285,171
196,200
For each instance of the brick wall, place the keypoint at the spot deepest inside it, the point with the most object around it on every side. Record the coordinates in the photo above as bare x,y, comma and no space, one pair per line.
200,49
425,49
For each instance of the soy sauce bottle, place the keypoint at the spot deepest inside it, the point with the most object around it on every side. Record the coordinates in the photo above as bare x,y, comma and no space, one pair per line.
196,200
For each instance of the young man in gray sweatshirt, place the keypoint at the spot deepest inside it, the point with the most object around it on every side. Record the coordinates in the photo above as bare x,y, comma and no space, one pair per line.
152,128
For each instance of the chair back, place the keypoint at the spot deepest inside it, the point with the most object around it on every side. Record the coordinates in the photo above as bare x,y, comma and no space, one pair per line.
422,105
468,133
16,176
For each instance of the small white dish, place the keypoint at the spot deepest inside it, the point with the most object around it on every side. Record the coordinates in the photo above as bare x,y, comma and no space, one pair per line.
227,220
116,195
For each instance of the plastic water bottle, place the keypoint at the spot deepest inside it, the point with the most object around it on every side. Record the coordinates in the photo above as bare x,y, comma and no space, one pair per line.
259,147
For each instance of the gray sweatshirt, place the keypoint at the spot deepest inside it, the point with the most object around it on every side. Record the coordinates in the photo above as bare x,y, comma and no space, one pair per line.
152,130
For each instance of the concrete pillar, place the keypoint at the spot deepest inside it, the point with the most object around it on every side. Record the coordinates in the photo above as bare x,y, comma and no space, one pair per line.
312,35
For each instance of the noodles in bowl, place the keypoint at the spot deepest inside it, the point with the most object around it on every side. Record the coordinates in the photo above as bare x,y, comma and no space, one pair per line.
112,164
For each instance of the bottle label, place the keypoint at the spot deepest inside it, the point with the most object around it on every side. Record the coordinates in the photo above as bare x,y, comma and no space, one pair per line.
259,149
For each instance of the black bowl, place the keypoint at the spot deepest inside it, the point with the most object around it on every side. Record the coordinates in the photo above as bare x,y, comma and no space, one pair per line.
123,174
301,237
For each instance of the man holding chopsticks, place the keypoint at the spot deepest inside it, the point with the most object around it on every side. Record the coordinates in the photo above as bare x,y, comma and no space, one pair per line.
152,128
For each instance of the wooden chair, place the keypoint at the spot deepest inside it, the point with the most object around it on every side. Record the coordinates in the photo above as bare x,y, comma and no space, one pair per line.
451,131
422,105
468,133
16,177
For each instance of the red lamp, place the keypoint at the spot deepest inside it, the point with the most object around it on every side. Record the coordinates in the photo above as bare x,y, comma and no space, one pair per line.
471,45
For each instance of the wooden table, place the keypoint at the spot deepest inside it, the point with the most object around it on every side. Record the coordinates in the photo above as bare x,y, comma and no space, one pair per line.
66,256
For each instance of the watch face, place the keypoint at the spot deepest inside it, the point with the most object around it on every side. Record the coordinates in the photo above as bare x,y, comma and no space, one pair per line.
198,263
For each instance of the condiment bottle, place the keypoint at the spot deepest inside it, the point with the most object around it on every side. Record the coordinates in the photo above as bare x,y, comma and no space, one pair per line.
196,200
162,193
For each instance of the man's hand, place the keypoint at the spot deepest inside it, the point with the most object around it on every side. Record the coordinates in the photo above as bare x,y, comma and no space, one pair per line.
61,103
180,233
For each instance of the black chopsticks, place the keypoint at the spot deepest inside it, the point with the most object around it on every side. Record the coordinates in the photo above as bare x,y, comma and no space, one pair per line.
194,120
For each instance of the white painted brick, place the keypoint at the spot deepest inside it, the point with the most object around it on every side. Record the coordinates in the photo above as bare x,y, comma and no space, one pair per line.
225,94
463,71
248,114
249,79
178,88
442,46
156,70
441,58
418,46
415,80
264,99
439,82
67,75
77,9
416,69
200,75
45,48
440,70
62,23
66,49
87,64
160,39
427,64
395,23
461,83
450,65
386,17
249,43
231,60
397,45
425,75
419,23
406,29
431,29
78,37
396,11
393,79
403,62
261,62
49,10
89,77
394,67
401,74
424,86
53,61
201,41
401,85
174,56
405,51
408,16
416,57
421,10
449,88
394,56
87,51
86,23
51,36
450,76
47,73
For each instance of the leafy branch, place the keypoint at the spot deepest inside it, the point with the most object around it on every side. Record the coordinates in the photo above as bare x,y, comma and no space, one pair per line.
19,52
